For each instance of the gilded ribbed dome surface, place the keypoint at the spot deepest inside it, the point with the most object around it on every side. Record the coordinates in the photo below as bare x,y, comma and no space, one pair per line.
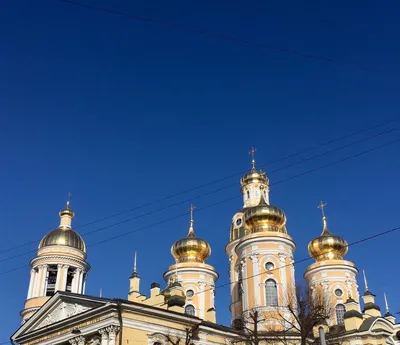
63,237
253,177
191,249
327,246
264,217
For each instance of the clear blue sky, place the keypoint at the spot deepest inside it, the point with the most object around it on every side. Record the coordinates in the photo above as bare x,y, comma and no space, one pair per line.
122,112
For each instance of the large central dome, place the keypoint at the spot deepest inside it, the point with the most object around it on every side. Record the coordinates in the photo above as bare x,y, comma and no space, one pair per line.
63,237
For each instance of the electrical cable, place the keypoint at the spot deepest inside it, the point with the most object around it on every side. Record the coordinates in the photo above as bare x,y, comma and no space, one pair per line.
219,180
226,200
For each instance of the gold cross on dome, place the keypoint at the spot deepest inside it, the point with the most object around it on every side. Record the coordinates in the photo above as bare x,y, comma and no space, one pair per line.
191,210
69,199
253,161
321,206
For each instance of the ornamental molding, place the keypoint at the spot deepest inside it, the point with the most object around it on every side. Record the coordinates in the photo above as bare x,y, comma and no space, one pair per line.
63,311
39,260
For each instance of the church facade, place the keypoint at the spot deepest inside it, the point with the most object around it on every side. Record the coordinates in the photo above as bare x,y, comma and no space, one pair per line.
182,312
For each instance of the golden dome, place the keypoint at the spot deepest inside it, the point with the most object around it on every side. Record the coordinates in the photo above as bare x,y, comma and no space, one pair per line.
254,176
265,218
327,246
64,235
191,248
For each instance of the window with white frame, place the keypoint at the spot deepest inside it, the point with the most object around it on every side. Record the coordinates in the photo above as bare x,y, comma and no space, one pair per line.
271,293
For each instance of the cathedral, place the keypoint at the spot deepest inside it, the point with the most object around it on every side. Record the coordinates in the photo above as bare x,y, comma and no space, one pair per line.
182,311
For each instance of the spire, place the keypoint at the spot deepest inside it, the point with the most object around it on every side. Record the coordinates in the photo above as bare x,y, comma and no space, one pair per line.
365,282
325,226
134,273
191,229
386,304
253,161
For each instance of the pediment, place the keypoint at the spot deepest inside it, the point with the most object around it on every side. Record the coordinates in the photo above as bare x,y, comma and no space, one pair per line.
63,311
61,306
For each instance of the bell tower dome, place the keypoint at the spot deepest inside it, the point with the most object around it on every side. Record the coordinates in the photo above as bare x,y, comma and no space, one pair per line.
60,265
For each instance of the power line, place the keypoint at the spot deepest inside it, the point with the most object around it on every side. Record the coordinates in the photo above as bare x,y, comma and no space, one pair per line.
213,34
214,191
222,179
229,199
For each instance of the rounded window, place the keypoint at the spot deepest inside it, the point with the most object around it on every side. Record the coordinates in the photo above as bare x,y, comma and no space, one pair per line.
338,292
189,293
238,221
269,266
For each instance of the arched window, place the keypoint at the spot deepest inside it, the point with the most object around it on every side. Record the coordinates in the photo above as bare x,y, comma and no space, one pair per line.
189,309
271,293
248,194
340,310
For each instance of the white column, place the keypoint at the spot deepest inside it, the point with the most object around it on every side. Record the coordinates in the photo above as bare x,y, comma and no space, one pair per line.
64,278
35,283
80,284
45,275
31,283
112,334
84,284
74,286
245,298
257,279
58,279
104,336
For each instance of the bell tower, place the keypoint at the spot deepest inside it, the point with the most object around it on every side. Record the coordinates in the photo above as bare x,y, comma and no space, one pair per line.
260,257
331,277
60,265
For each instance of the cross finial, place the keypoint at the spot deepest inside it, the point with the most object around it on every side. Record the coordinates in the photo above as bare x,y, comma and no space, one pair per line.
325,226
191,230
321,206
69,199
253,161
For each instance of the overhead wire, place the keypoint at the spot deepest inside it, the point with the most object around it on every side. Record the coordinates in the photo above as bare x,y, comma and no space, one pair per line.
212,192
223,179
216,35
229,199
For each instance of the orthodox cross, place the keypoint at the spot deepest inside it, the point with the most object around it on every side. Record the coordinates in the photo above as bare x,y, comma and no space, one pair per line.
253,161
321,206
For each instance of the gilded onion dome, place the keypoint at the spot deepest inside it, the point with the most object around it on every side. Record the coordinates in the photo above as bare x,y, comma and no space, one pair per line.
191,248
264,218
327,246
64,235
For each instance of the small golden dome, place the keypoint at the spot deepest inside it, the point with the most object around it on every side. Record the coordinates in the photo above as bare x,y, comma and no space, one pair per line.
191,248
265,218
254,176
327,246
63,237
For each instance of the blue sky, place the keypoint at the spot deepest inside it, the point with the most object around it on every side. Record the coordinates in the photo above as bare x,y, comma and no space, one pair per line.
122,112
